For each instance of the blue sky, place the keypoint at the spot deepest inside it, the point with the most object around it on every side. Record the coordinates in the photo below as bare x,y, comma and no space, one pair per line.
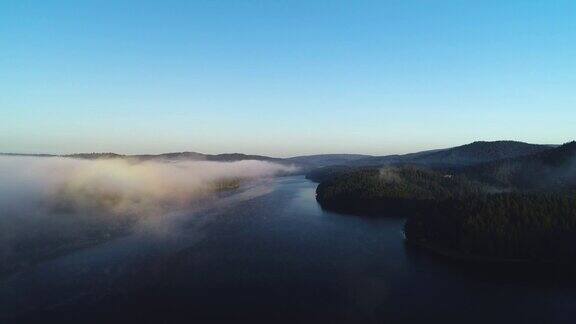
284,77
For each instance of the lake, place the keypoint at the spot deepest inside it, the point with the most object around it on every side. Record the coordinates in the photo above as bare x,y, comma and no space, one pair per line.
269,253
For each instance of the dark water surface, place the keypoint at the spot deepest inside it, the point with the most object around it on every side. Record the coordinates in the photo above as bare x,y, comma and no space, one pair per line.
270,254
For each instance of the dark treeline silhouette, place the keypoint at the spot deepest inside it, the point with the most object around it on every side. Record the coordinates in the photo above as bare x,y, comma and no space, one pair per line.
502,226
95,156
459,156
400,190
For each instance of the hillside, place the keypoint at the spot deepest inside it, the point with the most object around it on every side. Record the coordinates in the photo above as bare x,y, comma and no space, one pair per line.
192,156
95,156
230,157
480,152
195,156
389,159
550,170
464,155
321,160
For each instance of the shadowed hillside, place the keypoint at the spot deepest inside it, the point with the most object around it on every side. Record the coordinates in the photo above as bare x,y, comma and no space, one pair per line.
322,160
550,170
465,155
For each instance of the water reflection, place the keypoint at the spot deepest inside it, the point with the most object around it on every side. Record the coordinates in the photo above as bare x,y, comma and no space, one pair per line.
276,256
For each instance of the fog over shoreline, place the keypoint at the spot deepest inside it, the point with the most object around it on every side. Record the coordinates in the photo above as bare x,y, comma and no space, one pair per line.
46,202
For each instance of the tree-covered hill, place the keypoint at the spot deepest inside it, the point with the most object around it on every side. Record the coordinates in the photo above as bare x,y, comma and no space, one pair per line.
480,152
550,170
464,155
391,190
324,160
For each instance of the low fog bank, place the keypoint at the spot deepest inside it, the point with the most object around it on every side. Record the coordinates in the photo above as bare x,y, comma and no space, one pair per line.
50,205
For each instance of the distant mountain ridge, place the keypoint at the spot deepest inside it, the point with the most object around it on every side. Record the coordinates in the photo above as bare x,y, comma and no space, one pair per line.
552,168
464,155
460,156
321,160
481,152
390,159
193,156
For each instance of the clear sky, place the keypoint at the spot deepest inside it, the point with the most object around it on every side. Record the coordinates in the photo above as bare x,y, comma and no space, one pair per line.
284,77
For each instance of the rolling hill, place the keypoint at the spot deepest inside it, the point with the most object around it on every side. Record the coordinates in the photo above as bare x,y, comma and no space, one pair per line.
321,160
552,169
459,156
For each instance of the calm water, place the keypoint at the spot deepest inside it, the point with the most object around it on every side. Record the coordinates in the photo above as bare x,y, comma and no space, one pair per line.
269,253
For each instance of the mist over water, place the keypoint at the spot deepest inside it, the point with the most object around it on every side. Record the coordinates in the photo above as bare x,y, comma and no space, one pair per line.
51,204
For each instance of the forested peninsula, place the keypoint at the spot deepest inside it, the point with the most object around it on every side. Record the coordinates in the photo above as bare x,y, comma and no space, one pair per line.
520,208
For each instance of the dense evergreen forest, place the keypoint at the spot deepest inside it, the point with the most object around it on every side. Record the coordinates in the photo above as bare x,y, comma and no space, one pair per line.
391,190
515,208
553,170
503,226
